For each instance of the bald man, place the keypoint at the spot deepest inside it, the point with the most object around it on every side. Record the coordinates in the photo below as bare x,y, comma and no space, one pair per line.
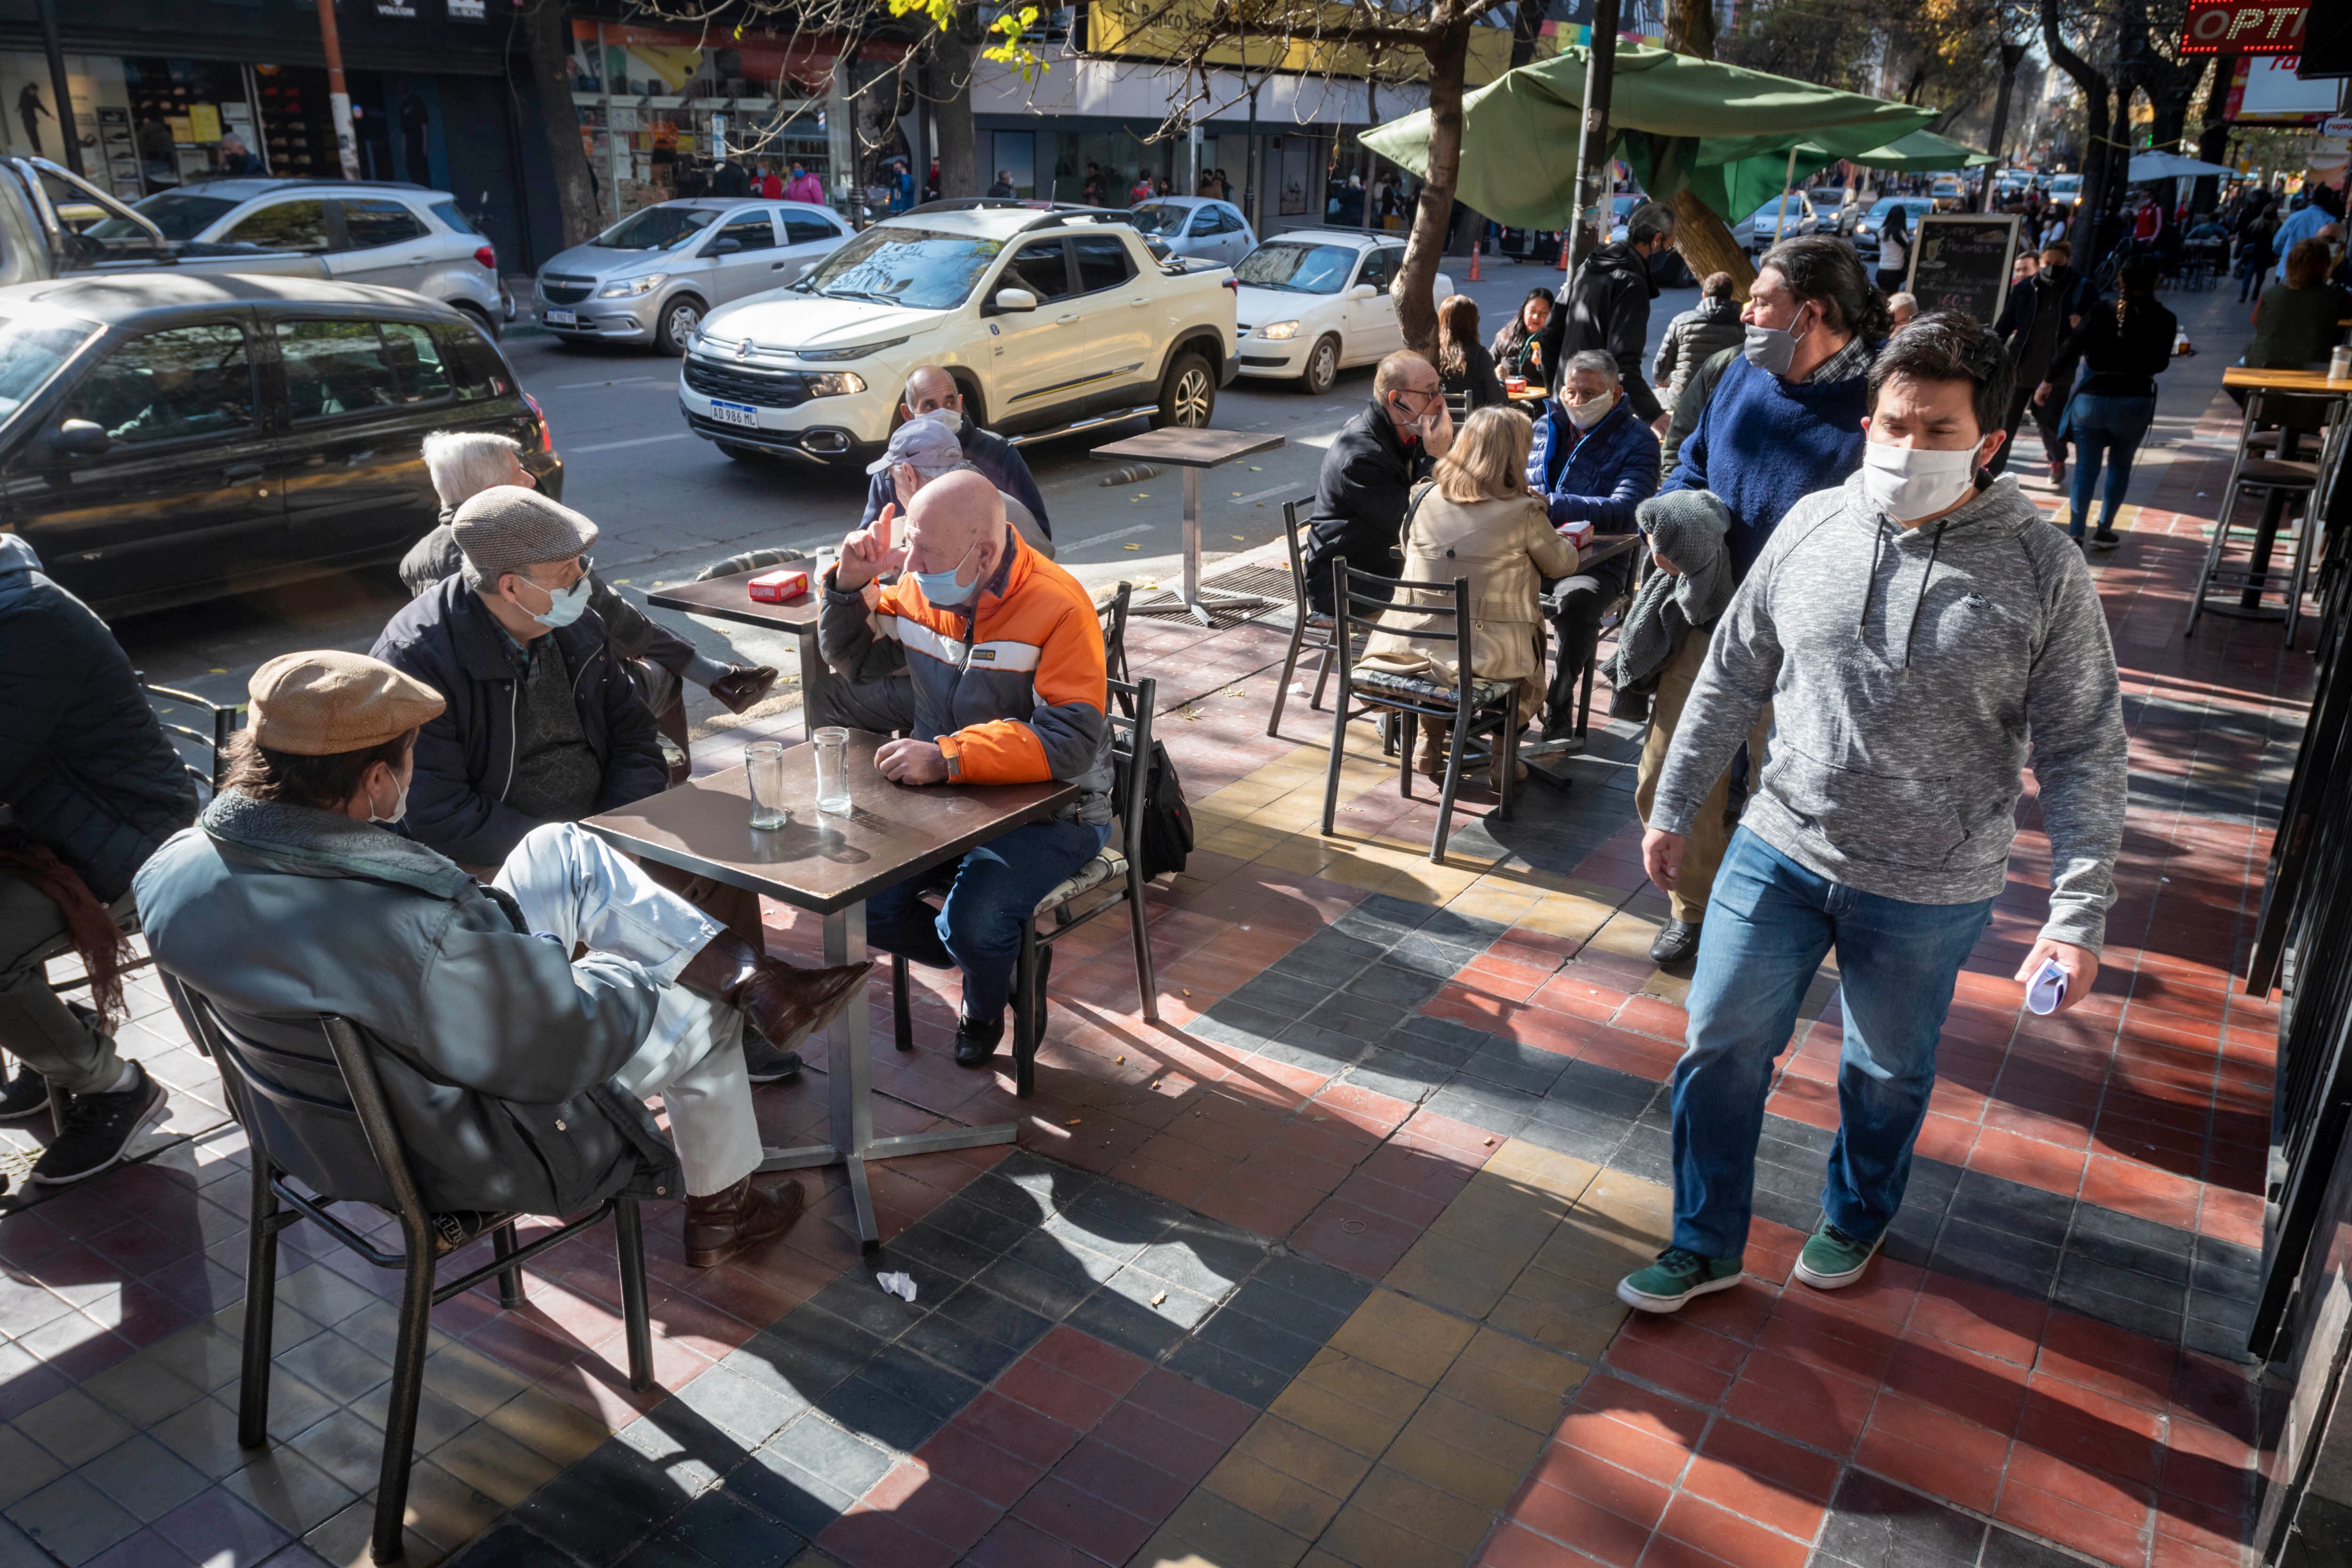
932,391
1368,472
1004,659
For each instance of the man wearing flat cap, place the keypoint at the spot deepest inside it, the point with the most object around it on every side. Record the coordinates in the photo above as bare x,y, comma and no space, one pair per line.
288,900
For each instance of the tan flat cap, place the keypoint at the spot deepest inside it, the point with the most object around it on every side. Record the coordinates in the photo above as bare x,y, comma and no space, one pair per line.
322,703
509,529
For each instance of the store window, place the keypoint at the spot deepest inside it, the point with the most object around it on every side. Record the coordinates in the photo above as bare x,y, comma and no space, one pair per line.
191,381
283,225
368,224
354,367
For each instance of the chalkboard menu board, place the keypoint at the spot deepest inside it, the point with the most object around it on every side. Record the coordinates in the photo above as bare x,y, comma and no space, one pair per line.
1961,261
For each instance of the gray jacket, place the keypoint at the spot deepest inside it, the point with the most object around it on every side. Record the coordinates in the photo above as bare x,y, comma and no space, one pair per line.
1687,528
1705,329
495,1047
1908,670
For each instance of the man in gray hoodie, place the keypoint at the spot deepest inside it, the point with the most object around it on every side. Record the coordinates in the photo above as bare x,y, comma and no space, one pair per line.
1915,630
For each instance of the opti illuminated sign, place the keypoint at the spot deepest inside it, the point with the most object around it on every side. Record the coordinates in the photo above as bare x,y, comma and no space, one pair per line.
2244,27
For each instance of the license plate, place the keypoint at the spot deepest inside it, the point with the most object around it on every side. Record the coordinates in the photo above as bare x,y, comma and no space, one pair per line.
742,414
562,319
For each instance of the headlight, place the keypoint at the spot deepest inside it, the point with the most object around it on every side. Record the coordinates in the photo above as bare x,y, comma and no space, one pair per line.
835,356
835,383
633,286
1279,331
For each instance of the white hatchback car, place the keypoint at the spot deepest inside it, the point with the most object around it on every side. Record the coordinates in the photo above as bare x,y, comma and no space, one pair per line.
1313,299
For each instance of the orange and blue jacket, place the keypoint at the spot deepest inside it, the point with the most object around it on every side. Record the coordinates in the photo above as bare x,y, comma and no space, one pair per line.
1010,684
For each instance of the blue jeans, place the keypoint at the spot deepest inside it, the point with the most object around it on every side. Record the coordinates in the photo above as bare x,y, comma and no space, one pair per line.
1769,924
2116,425
993,888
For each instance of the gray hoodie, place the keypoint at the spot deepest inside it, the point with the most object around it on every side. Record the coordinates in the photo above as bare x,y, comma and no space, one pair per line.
1907,670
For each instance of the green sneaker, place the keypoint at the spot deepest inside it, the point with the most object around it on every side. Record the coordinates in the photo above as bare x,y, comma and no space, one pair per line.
1678,1275
1832,1258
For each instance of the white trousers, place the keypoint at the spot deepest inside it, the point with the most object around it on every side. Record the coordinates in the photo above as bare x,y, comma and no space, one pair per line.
576,888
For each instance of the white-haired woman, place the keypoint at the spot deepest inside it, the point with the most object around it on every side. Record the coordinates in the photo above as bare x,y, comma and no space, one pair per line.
1475,518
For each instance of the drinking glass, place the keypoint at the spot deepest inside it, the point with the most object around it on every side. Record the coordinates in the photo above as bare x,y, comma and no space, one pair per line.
833,771
2339,364
763,766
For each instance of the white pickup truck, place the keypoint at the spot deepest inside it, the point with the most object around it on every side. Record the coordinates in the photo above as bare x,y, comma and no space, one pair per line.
1050,319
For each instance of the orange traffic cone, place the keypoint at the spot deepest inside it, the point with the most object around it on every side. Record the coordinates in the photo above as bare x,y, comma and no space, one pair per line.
1563,250
1475,246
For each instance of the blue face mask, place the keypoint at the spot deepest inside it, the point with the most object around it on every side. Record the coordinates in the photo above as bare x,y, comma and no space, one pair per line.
565,605
941,588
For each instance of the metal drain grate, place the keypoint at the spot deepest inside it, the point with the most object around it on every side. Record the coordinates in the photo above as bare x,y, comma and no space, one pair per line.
1265,581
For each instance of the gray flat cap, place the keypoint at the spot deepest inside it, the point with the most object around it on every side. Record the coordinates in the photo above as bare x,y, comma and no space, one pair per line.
509,529
926,445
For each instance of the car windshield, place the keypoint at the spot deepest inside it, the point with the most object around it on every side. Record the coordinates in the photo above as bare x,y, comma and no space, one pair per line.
657,228
179,214
32,348
1797,208
1301,269
1159,217
923,267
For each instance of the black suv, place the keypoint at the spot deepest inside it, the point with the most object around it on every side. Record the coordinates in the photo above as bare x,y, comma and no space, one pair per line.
175,439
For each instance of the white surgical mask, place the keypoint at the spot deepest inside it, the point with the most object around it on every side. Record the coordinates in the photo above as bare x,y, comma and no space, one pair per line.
399,806
1584,416
950,417
565,605
1907,482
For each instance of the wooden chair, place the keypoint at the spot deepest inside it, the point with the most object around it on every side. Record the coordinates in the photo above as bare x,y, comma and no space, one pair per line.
1309,630
302,1089
1474,707
1119,862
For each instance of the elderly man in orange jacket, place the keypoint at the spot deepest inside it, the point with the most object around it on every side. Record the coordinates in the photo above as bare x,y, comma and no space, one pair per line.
1006,656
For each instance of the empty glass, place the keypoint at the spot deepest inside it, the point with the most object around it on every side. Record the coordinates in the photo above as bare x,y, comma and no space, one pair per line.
763,767
833,771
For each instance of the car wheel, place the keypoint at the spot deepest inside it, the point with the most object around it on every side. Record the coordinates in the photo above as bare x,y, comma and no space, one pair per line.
742,453
1322,367
679,319
1188,394
480,317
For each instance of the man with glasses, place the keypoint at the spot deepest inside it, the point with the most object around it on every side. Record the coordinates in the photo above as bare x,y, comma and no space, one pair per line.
1369,471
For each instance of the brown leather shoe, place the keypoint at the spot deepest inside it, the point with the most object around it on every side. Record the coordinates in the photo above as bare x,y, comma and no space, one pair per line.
787,1002
1436,743
723,1224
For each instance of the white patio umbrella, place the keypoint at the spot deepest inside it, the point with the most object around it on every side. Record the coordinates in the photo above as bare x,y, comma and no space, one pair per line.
2170,166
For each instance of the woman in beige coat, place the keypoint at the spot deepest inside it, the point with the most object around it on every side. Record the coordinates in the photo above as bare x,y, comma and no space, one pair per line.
1476,518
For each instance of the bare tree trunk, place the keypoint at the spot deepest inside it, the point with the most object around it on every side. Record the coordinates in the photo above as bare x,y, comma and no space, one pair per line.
1448,54
1700,233
2092,84
550,73
2213,142
959,140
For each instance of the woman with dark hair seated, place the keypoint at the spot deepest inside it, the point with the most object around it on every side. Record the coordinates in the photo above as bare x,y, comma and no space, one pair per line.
1464,365
1514,349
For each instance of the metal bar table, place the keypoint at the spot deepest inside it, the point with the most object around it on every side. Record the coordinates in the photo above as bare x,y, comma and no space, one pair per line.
829,866
2311,383
729,599
1192,452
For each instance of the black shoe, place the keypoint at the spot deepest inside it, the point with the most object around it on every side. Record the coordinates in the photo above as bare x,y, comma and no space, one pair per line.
27,1095
1559,738
1677,940
99,1128
2106,539
976,1042
762,1061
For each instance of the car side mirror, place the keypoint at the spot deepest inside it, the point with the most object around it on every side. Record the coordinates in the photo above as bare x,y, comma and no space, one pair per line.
724,247
1363,291
1014,300
80,439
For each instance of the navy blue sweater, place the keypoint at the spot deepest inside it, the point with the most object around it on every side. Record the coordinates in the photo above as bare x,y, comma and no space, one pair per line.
1764,444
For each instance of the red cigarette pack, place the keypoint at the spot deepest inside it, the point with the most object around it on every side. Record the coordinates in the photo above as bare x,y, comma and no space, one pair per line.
775,587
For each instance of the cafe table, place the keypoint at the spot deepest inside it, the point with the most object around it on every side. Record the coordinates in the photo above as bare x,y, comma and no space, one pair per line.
829,866
1193,451
2311,383
729,599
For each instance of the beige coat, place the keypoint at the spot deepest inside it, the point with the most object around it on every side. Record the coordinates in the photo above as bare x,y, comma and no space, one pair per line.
1505,548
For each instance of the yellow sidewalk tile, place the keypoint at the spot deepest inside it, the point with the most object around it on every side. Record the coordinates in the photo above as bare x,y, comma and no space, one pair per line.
1414,1505
1295,1451
1401,1337
1278,1499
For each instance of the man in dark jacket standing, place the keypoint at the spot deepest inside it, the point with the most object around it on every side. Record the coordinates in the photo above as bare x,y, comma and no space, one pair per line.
1608,305
92,786
1369,470
542,725
1592,461
932,391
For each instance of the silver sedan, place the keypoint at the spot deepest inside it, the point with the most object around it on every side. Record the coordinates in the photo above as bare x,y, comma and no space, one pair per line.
651,278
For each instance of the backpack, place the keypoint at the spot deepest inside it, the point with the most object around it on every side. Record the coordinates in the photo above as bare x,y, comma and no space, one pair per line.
1167,820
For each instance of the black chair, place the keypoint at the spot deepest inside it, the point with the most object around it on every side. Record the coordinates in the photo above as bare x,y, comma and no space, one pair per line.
1472,706
2282,482
1119,861
300,1090
1309,629
1114,612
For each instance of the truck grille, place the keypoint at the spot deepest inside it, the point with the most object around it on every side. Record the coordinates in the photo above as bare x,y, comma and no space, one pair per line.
558,291
742,384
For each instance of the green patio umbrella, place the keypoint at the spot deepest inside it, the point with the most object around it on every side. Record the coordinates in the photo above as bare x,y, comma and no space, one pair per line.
1921,152
1731,131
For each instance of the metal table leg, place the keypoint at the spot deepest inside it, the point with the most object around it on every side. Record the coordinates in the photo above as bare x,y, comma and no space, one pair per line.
849,1094
812,670
1202,602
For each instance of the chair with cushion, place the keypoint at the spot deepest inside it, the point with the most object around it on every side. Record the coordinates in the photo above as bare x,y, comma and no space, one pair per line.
1475,707
1309,630
1113,877
322,1132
